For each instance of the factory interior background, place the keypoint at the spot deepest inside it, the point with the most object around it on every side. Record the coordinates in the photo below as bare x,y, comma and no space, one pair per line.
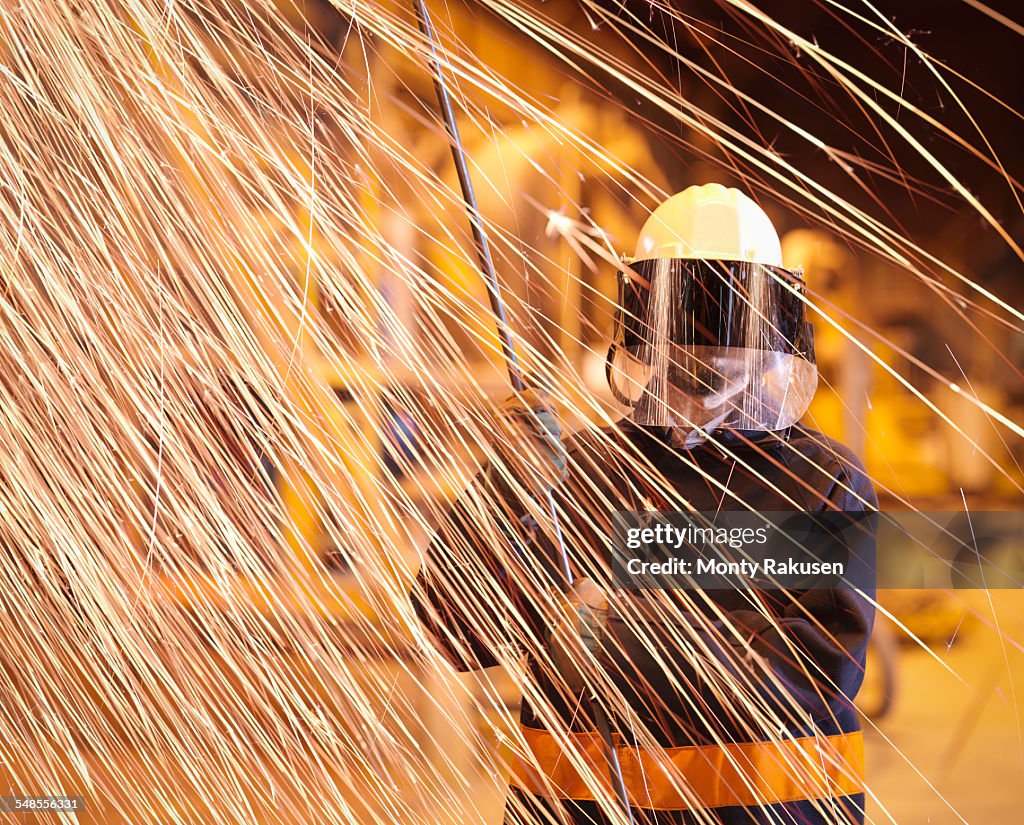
249,361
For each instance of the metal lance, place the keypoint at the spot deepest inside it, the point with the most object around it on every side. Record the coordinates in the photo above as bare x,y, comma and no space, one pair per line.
515,375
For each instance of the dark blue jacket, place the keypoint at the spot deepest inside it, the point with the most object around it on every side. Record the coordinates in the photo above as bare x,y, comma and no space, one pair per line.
810,652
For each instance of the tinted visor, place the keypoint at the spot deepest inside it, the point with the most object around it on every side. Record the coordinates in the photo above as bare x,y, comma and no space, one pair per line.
714,343
713,304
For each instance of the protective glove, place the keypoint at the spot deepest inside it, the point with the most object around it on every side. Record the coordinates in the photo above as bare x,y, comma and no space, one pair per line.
528,441
578,636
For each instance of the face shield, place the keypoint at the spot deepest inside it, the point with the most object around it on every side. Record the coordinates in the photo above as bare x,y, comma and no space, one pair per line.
710,344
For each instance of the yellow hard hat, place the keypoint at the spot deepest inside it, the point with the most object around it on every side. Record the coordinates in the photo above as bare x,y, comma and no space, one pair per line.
712,223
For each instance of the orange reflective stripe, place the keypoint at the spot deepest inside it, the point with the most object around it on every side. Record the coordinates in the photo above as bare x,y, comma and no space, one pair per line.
708,776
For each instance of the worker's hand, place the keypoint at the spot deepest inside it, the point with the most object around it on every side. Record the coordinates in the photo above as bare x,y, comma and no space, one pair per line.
577,637
528,441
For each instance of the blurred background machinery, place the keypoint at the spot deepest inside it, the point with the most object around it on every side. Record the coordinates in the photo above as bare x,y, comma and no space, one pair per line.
547,194
563,206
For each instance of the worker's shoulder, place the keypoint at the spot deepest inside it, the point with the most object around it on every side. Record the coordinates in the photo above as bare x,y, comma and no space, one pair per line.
832,456
817,445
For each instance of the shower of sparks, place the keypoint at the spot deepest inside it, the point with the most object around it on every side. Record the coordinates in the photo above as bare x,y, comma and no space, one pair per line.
248,364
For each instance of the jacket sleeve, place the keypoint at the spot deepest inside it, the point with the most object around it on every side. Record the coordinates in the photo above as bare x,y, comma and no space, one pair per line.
810,650
468,594
802,652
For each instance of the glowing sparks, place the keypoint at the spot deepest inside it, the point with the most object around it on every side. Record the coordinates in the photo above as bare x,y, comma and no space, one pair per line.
248,364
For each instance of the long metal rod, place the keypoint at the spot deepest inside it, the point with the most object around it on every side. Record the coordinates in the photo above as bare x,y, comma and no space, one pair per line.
483,249
508,349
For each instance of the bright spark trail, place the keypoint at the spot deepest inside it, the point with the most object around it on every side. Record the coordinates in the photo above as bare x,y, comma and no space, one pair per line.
247,365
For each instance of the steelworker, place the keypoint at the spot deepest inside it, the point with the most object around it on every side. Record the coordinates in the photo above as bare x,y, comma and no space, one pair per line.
732,705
